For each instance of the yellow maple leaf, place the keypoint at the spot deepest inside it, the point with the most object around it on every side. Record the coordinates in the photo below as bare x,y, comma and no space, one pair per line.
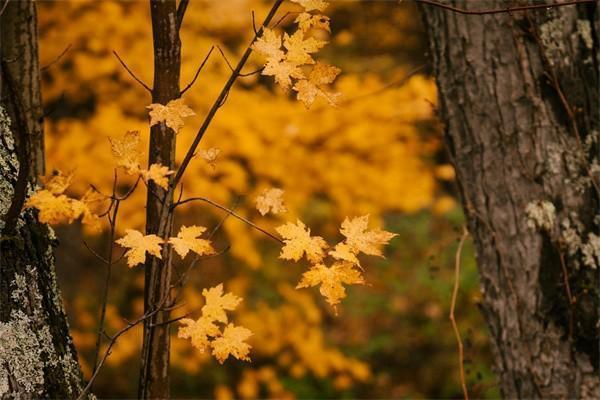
217,303
309,89
298,241
310,5
299,48
138,245
158,173
54,209
283,72
57,182
331,280
270,200
198,331
210,155
187,239
93,204
171,114
306,21
232,343
359,239
269,45
345,252
127,151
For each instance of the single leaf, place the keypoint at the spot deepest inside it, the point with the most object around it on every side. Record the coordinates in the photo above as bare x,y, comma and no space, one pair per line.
198,331
158,173
269,45
127,151
309,5
331,280
231,343
57,182
283,72
359,239
54,209
139,245
306,21
171,114
344,252
217,303
270,200
210,156
299,48
298,242
187,239
93,204
309,89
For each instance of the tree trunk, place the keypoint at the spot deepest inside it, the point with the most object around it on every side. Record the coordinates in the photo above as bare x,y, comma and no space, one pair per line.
37,356
519,96
154,376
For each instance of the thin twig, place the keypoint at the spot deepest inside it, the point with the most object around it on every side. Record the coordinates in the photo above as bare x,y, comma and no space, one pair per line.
225,58
222,207
131,72
95,253
452,308
565,275
4,7
502,10
189,85
254,23
57,59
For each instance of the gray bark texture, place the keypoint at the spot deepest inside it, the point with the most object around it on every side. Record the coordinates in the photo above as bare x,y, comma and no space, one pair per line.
37,356
519,97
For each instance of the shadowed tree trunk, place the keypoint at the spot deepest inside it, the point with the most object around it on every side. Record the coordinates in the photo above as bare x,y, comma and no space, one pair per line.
37,356
519,96
154,375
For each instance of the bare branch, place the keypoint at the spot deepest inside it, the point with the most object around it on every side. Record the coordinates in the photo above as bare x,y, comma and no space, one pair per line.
181,12
4,7
254,23
189,85
225,58
222,207
502,10
57,59
131,73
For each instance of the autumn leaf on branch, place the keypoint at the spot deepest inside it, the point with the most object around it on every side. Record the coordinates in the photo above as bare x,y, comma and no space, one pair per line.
204,331
171,114
310,5
217,303
331,280
309,89
157,173
270,200
232,343
298,242
210,156
126,151
299,48
283,72
269,45
187,239
198,331
57,182
360,240
139,245
306,21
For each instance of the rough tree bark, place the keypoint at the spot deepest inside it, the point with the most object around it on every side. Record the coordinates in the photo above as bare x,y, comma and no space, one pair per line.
154,375
37,356
519,96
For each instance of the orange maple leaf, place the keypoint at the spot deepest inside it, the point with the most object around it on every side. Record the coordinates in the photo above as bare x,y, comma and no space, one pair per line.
187,239
171,114
298,242
139,245
270,200
331,280
309,89
231,343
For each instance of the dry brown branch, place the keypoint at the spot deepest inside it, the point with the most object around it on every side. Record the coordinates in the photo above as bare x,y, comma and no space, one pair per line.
461,356
131,72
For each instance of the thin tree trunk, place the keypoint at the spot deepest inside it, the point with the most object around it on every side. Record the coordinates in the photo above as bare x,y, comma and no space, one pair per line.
519,96
154,376
37,356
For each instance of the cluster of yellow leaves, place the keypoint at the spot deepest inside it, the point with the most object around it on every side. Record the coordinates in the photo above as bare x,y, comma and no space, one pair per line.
126,151
171,114
204,332
55,207
187,239
286,65
271,200
298,242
